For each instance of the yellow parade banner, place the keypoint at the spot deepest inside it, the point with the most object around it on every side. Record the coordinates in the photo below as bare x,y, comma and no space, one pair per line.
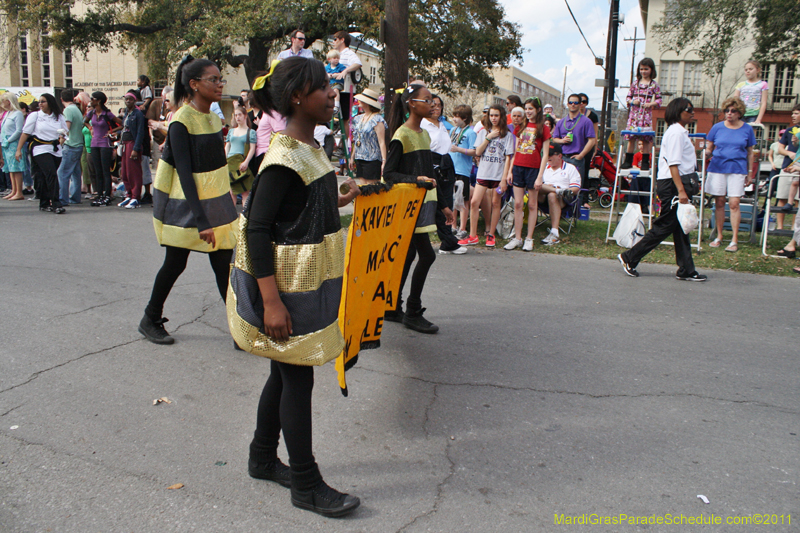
377,244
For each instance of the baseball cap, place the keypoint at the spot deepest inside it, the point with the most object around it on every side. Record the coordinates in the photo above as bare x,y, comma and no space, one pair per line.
555,148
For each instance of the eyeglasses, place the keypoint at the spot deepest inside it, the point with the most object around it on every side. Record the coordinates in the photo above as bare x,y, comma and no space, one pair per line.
214,81
689,109
731,110
429,102
572,102
300,38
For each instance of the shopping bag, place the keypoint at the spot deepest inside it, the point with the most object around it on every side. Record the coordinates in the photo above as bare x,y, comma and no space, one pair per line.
458,195
630,229
687,216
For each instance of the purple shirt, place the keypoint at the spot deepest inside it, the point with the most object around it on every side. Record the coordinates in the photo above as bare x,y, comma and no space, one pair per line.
100,128
581,132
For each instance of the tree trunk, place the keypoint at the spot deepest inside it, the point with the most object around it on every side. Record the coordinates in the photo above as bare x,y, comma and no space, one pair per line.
396,42
257,59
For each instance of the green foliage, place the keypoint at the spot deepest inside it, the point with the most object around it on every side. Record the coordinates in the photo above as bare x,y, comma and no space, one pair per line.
451,42
714,28
777,30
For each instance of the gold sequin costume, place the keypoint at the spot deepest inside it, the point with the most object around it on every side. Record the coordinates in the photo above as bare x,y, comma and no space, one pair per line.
309,267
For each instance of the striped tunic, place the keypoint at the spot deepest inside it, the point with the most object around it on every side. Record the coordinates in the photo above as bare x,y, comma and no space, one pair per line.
184,207
408,157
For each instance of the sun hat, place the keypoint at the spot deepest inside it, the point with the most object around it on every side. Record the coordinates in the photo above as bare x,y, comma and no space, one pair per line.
369,97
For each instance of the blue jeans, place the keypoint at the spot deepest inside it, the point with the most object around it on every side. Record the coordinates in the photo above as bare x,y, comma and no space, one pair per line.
70,172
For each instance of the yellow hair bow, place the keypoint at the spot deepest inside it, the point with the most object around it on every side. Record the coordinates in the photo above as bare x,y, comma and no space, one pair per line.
402,89
259,82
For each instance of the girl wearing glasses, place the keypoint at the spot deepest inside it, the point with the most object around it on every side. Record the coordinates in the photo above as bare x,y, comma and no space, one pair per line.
409,160
643,96
730,143
192,206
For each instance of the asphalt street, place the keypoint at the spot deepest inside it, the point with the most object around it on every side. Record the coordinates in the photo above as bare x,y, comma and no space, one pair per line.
556,386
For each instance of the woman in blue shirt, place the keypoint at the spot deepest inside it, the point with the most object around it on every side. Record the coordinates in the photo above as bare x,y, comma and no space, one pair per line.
240,148
10,132
369,139
731,145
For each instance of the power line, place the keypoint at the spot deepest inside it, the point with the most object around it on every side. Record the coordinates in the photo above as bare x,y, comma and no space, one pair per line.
580,30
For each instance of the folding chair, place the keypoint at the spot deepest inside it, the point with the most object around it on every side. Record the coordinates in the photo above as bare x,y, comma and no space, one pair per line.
569,213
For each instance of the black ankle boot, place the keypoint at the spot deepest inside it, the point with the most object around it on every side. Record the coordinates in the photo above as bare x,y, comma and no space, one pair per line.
628,163
273,470
310,492
645,161
264,462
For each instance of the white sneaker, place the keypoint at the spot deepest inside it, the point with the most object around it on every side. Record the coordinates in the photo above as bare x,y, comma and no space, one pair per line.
552,238
461,250
133,204
124,203
512,244
528,246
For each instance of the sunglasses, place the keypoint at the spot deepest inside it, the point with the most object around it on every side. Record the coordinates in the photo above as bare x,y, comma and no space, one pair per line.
731,110
584,101
571,102
300,38
689,109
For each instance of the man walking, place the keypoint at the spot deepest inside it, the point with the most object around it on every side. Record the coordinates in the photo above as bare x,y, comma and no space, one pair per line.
297,48
70,169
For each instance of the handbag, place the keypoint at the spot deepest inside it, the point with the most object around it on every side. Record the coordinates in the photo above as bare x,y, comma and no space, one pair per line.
691,183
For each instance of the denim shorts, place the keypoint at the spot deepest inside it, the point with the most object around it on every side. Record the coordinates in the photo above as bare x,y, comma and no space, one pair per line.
524,177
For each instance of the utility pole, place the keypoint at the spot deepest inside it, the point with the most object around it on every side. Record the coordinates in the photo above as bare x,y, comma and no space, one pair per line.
395,40
611,72
563,90
633,56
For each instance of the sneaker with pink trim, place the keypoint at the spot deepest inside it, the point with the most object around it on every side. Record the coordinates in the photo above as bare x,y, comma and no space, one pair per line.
469,241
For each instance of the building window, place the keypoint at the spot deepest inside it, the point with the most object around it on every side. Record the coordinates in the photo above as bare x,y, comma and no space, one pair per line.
373,75
692,127
772,132
158,88
46,68
68,68
668,74
784,84
23,60
660,127
692,72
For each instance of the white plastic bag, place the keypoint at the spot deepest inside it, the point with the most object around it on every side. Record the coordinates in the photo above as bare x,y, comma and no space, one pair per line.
631,228
458,195
687,216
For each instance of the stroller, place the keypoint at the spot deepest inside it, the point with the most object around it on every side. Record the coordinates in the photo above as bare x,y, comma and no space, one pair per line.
600,190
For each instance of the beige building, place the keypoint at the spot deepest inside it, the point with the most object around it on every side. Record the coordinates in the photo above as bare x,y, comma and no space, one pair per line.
513,80
681,75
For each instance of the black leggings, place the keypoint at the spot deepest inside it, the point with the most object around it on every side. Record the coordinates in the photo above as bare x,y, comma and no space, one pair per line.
173,267
420,244
285,404
103,158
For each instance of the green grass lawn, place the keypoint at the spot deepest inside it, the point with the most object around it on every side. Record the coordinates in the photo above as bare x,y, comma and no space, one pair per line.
588,240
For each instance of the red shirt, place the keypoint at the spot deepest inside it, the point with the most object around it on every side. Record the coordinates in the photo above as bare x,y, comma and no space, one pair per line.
529,147
637,159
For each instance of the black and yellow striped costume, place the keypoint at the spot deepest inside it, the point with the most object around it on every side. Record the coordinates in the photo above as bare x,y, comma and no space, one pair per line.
308,255
414,160
178,219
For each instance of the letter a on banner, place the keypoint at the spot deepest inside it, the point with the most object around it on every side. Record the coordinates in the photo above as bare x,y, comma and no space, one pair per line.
377,244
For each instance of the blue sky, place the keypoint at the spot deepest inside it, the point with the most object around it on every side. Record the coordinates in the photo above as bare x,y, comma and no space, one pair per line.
552,41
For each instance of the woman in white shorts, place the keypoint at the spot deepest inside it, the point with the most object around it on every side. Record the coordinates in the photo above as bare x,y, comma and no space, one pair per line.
730,143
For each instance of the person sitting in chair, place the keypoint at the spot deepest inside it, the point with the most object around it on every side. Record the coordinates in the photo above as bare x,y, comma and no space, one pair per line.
558,186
